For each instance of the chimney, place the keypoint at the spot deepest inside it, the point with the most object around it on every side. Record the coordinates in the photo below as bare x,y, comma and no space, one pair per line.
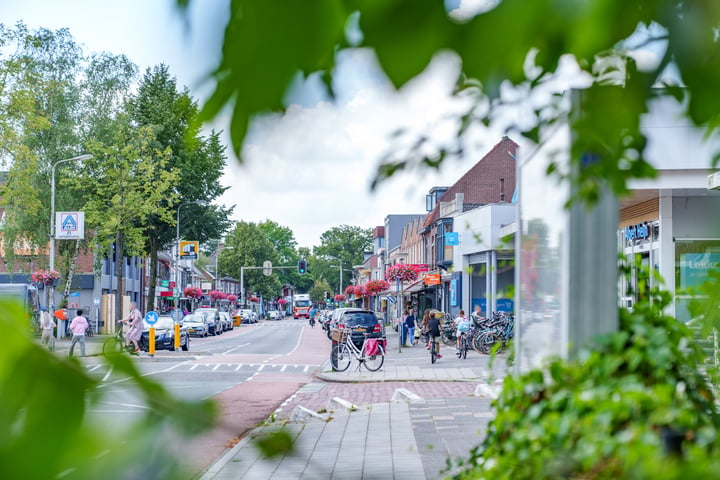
502,190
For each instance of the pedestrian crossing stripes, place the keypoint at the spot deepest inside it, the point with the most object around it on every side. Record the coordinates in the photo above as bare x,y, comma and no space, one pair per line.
210,368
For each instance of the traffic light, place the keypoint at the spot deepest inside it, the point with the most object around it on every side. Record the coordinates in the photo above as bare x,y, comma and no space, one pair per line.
302,267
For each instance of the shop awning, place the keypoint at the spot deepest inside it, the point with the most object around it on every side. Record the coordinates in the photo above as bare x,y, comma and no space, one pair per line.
415,286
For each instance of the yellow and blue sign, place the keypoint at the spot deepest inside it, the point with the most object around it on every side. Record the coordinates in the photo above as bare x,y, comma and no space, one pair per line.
189,250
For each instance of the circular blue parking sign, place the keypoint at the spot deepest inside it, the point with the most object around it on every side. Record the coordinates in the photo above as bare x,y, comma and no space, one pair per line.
151,317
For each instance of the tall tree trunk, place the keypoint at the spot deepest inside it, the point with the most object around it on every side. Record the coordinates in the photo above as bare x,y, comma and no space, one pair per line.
153,273
71,269
119,245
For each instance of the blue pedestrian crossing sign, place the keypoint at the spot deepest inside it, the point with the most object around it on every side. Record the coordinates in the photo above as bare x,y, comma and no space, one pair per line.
70,225
151,317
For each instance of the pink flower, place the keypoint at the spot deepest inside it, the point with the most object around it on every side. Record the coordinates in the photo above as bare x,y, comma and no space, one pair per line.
402,271
340,297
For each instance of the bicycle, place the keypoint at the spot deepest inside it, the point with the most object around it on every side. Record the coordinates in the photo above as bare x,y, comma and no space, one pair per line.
116,344
465,344
433,349
345,349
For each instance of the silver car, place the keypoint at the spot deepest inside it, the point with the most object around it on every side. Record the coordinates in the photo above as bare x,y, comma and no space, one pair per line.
196,325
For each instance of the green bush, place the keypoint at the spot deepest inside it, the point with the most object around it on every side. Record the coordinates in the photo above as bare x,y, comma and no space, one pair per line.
610,413
44,429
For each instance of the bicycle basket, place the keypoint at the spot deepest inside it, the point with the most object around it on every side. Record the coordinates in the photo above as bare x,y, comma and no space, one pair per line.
339,336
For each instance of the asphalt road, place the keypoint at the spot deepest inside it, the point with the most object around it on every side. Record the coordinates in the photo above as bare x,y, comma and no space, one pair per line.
249,371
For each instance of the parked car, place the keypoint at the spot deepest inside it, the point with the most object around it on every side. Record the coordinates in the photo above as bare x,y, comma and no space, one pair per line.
211,315
331,322
226,321
360,323
273,315
248,315
164,335
196,325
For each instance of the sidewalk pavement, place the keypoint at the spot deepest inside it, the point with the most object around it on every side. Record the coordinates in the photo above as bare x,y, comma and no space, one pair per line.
413,364
94,345
411,435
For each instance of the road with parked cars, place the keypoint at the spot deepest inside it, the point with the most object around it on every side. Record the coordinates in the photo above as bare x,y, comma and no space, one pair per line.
254,366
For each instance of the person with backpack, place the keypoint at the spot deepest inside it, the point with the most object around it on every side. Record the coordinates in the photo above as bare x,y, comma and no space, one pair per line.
47,324
462,325
434,332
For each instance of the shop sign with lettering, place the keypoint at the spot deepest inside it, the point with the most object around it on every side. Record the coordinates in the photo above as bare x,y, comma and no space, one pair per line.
640,231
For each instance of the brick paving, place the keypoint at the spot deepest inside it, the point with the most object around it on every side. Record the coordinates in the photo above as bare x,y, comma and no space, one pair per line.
315,395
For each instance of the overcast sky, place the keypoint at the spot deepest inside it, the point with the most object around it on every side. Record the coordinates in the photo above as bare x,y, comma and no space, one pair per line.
309,169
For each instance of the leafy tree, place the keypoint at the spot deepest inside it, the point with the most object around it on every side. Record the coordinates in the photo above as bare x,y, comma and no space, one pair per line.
130,183
53,100
283,239
510,43
198,160
247,246
344,244
317,293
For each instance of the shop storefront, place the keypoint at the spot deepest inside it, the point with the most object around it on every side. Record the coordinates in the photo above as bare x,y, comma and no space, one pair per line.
675,233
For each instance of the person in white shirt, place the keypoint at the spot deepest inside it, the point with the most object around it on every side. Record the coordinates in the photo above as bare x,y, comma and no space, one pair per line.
78,326
47,324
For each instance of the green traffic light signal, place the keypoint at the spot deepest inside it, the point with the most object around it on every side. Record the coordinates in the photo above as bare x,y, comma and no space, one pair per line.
302,267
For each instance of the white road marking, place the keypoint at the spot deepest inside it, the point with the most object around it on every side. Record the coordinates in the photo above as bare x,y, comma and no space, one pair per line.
235,348
194,366
216,367
306,368
107,375
94,367
164,370
298,342
239,366
127,405
261,367
283,368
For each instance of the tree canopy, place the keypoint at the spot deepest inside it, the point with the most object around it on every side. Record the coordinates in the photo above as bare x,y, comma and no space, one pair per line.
509,49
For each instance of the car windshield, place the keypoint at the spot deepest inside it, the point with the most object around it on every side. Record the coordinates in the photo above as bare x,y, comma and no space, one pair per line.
163,323
354,319
192,319
302,303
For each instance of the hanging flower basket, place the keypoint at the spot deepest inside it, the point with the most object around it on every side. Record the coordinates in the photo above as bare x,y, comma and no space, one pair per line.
360,291
193,292
232,298
402,271
282,301
340,297
254,300
45,277
217,295
350,290
375,287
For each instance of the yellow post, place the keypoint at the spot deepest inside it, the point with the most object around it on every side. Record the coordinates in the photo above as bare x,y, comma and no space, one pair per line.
177,336
151,341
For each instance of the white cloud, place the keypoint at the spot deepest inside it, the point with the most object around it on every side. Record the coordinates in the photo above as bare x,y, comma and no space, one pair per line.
311,168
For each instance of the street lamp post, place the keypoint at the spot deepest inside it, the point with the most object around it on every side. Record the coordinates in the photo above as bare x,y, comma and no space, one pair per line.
60,330
176,293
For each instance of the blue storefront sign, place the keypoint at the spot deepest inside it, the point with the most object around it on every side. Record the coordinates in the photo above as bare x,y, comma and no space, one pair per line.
452,239
501,304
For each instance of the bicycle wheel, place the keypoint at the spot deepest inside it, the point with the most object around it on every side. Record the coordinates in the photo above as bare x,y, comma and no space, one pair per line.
340,357
373,363
433,351
487,340
476,343
464,347
112,345
448,339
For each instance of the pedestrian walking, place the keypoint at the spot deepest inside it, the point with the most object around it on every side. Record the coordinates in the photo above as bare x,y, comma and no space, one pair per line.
134,321
78,326
409,327
47,324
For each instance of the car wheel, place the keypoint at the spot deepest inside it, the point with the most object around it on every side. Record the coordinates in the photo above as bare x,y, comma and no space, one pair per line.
186,346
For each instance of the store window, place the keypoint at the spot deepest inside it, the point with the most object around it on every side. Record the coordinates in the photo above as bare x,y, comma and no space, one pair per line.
694,260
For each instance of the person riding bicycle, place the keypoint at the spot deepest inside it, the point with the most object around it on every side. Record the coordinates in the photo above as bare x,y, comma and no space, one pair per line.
476,316
433,328
134,320
312,314
462,326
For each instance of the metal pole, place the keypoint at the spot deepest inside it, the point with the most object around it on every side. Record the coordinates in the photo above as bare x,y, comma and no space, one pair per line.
242,286
61,328
340,286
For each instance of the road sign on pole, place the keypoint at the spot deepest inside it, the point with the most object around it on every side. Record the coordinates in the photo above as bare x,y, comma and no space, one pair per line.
267,268
151,317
